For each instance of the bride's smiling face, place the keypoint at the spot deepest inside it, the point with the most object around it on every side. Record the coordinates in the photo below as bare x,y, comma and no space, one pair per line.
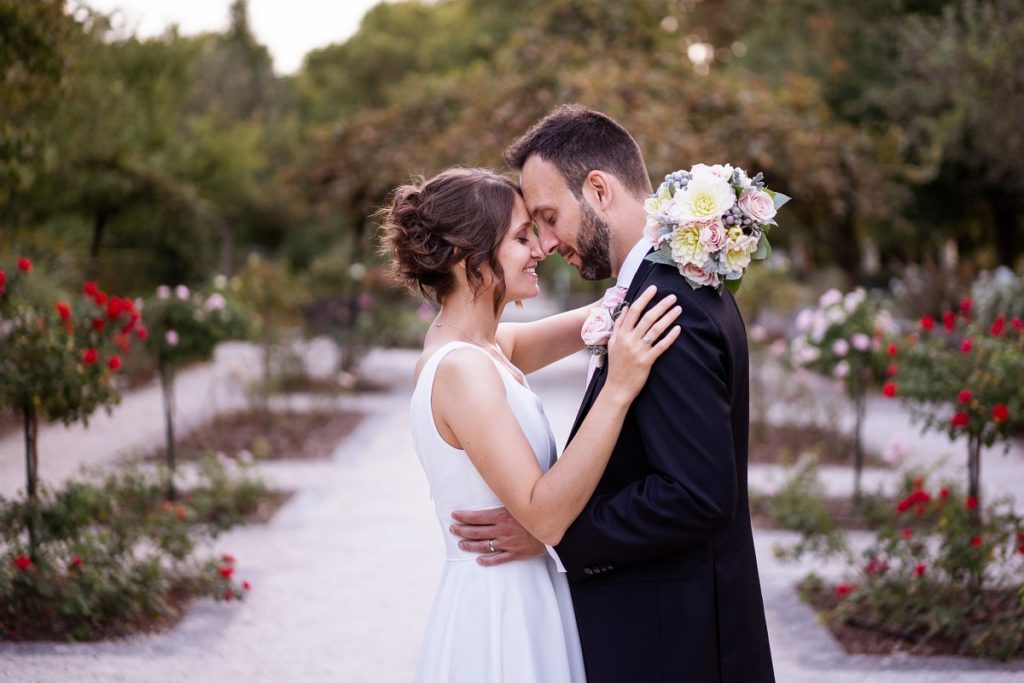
519,254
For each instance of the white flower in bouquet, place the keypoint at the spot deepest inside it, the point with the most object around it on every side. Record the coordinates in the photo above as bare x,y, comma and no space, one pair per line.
705,197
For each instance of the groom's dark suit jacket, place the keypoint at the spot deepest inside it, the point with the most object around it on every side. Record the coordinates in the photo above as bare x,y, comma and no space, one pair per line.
661,561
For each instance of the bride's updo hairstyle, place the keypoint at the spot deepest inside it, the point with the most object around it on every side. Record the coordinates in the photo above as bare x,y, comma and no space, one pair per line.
461,214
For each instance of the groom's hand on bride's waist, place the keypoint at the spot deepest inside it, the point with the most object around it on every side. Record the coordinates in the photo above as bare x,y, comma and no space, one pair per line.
495,535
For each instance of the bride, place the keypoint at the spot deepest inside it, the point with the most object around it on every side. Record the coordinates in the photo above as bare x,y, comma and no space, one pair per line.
464,239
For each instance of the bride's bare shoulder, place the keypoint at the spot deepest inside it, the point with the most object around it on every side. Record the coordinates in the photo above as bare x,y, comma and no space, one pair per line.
458,364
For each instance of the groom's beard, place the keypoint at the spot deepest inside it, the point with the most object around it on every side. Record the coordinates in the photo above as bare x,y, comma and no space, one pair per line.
593,239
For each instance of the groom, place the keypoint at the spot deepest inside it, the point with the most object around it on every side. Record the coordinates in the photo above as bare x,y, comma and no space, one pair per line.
661,560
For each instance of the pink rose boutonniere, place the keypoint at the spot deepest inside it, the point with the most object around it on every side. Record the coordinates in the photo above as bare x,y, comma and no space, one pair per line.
597,328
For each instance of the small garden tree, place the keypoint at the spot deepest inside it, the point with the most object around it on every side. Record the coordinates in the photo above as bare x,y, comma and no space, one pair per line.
58,359
963,377
842,338
186,327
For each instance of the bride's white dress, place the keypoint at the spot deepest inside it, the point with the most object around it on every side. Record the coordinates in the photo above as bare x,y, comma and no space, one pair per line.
513,622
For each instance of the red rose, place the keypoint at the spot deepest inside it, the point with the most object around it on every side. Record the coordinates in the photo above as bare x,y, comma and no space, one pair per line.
1021,550
179,512
964,396
90,288
949,320
127,304
90,356
246,585
889,389
961,419
227,559
843,589
142,333
1020,535
114,308
998,326
3,279
965,306
920,569
927,323
24,265
99,324
23,561
1000,413
1018,324
891,350
228,595
101,298
891,370
876,566
907,533
226,572
976,541
972,503
64,310
114,363
966,346
76,562
944,492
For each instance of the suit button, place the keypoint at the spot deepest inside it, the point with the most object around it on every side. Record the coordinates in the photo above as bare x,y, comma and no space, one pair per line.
588,571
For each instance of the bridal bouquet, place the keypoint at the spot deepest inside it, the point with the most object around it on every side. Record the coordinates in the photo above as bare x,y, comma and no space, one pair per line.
711,222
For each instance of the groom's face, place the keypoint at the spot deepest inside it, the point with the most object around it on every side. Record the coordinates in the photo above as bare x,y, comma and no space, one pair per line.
565,223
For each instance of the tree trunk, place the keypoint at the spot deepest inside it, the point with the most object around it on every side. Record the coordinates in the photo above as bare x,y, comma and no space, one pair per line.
859,408
227,248
846,248
99,226
167,384
32,474
1008,226
974,475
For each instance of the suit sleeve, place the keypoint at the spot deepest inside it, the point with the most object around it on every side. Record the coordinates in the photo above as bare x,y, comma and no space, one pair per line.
684,418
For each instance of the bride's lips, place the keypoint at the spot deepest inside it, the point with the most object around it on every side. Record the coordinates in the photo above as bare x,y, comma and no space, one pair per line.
531,270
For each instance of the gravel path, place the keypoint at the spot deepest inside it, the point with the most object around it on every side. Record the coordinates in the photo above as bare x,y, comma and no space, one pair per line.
344,575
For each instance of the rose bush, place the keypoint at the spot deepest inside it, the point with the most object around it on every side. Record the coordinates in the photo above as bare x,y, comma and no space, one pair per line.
60,357
843,338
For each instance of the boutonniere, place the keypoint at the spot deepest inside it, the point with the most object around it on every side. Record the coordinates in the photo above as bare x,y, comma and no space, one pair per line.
597,328
710,222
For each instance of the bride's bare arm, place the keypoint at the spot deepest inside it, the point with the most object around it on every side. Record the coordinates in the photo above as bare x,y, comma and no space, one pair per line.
474,408
534,345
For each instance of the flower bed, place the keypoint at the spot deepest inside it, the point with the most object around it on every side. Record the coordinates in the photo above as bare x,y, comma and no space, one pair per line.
113,557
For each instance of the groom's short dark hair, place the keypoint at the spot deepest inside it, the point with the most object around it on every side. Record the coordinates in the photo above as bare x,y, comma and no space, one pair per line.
577,141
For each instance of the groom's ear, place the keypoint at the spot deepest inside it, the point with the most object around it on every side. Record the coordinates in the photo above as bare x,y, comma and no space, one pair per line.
598,188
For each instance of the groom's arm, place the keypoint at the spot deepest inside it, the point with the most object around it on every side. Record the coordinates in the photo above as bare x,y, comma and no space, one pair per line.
684,419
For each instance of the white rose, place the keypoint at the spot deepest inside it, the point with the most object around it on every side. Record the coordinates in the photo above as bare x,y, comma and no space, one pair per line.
860,341
841,347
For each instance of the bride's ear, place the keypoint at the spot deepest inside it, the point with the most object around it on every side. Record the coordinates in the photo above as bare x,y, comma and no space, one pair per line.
598,188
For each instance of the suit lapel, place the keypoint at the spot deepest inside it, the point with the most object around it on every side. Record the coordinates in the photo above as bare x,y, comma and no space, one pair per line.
597,380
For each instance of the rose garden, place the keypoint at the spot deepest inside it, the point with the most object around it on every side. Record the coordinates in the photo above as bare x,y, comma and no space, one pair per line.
205,463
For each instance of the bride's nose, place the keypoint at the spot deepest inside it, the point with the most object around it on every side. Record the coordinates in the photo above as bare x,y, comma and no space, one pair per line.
536,251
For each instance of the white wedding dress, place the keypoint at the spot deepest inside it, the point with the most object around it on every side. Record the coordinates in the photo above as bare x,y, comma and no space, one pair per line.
511,623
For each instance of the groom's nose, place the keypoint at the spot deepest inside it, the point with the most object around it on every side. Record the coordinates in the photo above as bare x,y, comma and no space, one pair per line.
548,241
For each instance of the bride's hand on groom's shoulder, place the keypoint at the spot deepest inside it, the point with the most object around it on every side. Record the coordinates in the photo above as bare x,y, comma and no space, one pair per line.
484,530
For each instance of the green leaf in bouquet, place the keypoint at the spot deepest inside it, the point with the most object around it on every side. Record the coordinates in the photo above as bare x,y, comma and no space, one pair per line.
764,249
777,198
663,256
733,285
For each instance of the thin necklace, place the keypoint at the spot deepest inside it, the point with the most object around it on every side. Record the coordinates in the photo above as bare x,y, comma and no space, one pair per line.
465,334
492,347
